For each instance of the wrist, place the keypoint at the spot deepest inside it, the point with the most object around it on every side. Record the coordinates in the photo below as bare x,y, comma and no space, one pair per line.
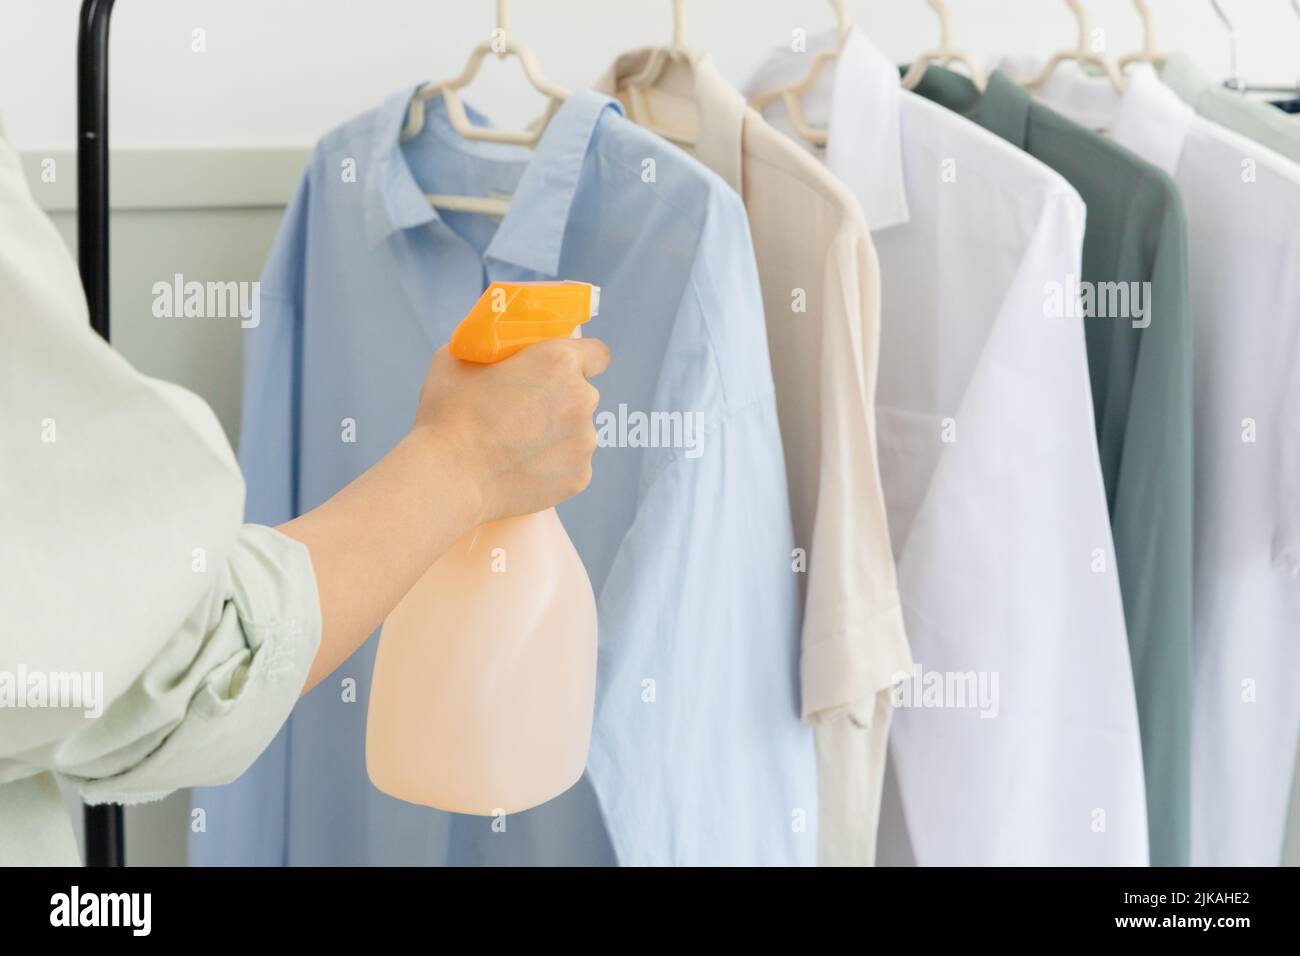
450,472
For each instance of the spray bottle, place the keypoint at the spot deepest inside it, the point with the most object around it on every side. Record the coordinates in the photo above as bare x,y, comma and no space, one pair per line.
485,677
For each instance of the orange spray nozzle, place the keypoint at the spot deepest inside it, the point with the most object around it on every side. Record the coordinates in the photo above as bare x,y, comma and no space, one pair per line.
511,315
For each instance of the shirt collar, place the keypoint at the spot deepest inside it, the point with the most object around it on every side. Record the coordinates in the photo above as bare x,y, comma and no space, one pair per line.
1185,78
1148,118
951,90
1087,100
393,199
531,234
1152,121
1004,110
865,144
858,99
720,109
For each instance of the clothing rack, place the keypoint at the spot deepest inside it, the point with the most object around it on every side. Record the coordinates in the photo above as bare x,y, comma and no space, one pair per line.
105,824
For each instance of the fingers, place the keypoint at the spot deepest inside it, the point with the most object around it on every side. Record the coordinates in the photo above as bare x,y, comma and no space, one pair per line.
592,354
590,357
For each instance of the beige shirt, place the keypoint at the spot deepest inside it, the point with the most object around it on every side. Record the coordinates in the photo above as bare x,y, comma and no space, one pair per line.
821,296
148,641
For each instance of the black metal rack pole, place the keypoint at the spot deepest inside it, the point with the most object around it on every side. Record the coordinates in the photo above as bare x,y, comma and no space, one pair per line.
105,828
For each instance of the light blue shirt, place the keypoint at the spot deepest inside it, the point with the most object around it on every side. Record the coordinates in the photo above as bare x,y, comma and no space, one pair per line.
698,755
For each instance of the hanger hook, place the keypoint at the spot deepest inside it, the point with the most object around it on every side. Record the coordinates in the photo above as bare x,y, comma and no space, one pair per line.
1223,16
1148,26
503,26
945,23
679,24
1080,18
842,22
1234,78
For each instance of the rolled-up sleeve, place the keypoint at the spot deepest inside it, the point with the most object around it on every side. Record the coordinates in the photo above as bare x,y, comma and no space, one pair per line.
211,700
219,691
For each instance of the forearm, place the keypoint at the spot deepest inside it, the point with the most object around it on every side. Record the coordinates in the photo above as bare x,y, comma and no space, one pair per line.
372,541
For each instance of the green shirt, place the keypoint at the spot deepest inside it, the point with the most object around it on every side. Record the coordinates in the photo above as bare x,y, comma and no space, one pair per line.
1254,119
1140,364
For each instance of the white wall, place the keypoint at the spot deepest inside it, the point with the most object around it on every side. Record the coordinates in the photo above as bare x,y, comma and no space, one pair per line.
280,72
208,213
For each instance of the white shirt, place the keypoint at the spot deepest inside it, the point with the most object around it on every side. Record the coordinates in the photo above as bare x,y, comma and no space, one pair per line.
821,297
995,499
1243,224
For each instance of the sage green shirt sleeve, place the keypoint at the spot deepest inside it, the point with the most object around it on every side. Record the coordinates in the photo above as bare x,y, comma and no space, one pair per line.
150,640
215,694
1137,322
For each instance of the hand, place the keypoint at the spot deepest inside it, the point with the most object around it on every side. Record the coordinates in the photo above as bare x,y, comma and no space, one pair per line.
521,427
489,442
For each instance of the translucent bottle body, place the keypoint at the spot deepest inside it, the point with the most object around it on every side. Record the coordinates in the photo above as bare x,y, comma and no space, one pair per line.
485,676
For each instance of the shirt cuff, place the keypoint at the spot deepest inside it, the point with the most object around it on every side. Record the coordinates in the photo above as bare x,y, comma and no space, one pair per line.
843,674
265,627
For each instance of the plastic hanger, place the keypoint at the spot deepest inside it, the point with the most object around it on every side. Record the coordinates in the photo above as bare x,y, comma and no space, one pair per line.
1148,52
790,95
636,85
1235,80
503,46
945,55
1081,54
